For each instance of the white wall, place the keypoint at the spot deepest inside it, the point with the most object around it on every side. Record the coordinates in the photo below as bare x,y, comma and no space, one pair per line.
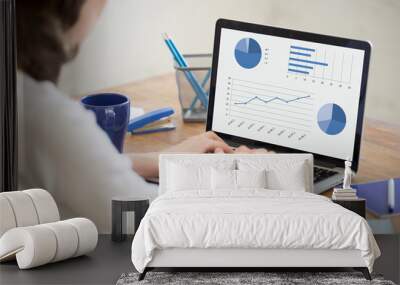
126,44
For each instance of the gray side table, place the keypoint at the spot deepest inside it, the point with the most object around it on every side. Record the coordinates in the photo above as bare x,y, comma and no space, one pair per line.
357,206
120,205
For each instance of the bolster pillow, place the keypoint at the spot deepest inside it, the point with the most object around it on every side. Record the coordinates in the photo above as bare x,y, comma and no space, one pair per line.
26,208
40,244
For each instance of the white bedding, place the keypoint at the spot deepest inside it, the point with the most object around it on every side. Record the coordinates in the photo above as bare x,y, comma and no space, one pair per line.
252,218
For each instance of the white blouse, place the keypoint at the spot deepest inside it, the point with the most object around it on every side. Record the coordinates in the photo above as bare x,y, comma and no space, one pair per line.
61,149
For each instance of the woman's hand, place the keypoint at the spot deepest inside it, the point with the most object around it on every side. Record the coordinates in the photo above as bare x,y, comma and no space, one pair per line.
244,149
207,142
146,164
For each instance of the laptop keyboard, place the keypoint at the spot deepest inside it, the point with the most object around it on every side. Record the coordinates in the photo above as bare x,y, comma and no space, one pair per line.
322,173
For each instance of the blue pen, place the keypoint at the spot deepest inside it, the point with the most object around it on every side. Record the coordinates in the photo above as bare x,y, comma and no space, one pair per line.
205,80
200,93
189,75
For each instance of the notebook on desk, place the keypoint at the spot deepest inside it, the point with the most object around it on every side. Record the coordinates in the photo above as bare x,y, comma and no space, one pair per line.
382,197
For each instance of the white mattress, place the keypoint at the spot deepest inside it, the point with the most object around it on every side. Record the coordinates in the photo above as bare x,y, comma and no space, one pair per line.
258,219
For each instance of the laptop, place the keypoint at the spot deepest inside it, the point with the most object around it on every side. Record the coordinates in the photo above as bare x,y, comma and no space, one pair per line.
290,91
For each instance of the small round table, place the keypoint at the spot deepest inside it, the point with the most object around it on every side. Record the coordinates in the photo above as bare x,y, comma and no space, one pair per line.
120,205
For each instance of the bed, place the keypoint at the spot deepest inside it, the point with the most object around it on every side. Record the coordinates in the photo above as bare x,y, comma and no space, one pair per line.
203,219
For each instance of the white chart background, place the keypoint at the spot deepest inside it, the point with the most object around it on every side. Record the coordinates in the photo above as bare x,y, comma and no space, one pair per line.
291,118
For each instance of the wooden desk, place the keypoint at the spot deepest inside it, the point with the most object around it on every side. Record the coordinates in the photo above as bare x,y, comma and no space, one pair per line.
380,148
152,94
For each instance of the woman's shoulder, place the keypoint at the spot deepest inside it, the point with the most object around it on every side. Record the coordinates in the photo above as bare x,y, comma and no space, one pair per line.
44,99
54,121
35,93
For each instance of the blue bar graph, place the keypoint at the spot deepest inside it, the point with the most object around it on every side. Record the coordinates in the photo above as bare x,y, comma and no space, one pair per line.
298,71
302,48
300,53
304,60
308,61
313,62
300,65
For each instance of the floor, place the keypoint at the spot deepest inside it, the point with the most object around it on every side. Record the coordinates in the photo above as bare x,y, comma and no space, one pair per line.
110,259
95,268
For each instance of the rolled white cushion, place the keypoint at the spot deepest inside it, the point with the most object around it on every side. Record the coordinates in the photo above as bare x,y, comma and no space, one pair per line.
45,205
67,239
33,246
87,235
7,218
40,244
23,208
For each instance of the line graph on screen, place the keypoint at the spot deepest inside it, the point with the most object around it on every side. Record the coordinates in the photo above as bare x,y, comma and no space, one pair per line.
269,107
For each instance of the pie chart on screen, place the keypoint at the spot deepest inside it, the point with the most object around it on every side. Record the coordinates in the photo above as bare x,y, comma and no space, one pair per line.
331,119
247,53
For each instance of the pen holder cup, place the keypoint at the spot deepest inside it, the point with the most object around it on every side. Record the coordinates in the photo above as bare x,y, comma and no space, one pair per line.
199,69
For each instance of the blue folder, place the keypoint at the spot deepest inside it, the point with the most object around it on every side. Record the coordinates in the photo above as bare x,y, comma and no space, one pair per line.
377,197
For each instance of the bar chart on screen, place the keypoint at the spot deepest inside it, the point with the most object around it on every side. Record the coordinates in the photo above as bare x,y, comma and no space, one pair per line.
266,107
321,65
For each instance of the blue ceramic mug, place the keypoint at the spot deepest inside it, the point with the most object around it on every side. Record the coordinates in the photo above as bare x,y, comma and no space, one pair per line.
112,114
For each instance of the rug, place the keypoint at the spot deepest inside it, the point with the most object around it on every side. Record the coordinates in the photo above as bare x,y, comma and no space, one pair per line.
244,278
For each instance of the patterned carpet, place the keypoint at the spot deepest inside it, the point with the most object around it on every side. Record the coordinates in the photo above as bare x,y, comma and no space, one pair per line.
243,278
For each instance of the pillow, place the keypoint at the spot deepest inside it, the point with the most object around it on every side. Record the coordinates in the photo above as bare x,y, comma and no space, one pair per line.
183,176
251,179
223,179
292,178
281,174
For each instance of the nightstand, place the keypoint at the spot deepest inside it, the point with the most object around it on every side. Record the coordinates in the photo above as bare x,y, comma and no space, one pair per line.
121,205
357,206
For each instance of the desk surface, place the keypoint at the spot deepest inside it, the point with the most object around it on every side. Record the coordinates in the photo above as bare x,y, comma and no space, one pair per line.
380,148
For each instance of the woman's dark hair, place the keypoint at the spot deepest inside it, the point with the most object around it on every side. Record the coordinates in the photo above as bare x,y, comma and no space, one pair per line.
41,50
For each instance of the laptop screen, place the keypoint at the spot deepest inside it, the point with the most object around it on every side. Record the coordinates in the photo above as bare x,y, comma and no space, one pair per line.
288,92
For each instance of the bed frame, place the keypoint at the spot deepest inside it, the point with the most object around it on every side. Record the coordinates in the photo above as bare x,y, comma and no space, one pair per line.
235,259
250,259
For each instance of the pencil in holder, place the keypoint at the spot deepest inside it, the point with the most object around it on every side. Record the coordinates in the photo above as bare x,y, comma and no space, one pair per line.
199,69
